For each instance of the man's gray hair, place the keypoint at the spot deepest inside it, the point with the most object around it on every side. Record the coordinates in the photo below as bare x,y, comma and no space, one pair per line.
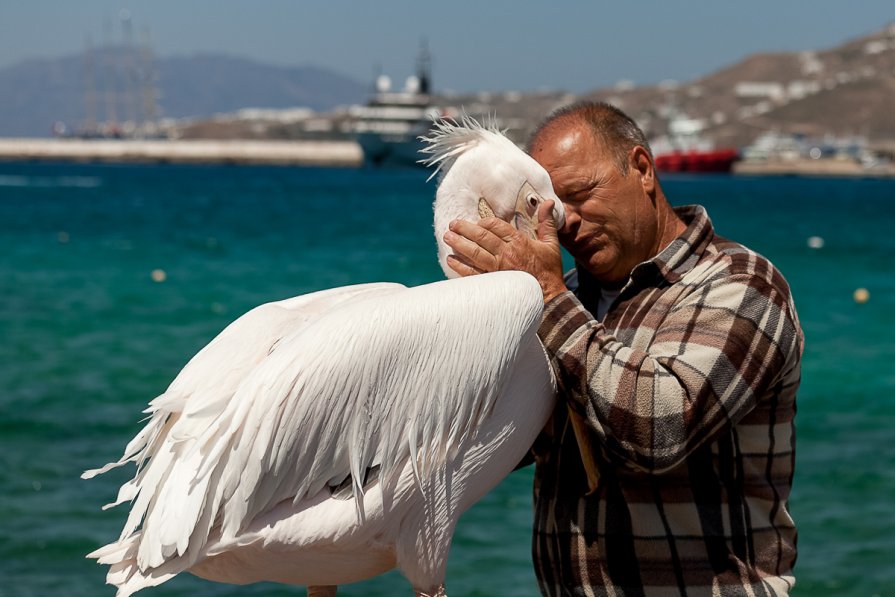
613,128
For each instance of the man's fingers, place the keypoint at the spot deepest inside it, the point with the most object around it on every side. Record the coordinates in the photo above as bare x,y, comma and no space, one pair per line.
461,267
471,252
500,229
479,234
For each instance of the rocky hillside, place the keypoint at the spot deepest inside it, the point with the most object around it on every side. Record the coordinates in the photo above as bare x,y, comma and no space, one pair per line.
844,91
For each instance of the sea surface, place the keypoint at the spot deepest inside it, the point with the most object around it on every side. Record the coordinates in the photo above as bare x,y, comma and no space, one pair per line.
88,336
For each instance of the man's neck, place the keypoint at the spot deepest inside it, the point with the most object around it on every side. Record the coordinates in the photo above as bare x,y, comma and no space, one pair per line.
671,226
614,285
593,284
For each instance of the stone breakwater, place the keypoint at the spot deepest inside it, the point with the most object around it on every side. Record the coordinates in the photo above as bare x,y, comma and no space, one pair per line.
305,153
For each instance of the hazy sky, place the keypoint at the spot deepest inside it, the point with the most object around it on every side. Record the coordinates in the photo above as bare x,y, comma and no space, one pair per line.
476,44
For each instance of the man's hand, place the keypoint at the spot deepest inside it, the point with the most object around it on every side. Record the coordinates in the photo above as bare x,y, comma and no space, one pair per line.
494,245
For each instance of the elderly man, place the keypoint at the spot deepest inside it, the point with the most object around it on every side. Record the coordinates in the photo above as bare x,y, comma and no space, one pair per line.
668,464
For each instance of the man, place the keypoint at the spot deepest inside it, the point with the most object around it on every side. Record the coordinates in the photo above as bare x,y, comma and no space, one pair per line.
680,351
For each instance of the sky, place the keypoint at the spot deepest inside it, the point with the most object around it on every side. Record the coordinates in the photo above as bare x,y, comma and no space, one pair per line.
497,45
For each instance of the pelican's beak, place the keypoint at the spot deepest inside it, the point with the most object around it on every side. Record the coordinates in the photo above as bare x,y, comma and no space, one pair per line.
526,215
485,210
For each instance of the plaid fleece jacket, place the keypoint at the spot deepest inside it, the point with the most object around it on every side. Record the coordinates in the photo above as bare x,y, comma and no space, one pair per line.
689,388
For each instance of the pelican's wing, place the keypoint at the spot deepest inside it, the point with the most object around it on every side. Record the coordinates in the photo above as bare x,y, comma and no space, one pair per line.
410,374
380,380
211,377
204,387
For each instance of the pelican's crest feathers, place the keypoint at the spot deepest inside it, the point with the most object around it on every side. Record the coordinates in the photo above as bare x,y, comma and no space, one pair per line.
449,140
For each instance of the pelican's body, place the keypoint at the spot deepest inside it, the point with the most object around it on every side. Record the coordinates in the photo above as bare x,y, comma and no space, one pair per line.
331,437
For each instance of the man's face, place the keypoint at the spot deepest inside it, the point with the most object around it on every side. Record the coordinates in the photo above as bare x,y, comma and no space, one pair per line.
611,221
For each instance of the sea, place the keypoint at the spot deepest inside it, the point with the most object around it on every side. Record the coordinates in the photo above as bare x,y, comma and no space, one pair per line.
113,276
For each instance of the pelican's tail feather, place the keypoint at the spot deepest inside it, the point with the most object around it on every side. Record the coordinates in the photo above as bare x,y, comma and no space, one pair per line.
136,448
124,571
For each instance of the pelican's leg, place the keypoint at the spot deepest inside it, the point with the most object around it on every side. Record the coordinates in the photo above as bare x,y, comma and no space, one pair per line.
322,591
437,592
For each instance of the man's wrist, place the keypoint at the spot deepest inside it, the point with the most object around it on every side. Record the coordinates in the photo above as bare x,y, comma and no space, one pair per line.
553,289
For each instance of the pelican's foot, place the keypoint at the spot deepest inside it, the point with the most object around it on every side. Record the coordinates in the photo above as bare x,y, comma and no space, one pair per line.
436,592
322,591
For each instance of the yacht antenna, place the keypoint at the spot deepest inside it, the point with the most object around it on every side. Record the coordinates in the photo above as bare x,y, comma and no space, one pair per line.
424,67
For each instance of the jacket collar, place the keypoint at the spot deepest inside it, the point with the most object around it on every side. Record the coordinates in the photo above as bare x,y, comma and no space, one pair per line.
684,252
674,261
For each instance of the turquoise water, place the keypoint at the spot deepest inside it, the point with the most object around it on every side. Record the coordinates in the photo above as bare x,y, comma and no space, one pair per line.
87,338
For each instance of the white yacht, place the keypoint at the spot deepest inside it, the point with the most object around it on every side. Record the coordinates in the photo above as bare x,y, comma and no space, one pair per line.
389,126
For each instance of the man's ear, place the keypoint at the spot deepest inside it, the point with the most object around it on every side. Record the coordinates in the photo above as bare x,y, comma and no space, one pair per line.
639,160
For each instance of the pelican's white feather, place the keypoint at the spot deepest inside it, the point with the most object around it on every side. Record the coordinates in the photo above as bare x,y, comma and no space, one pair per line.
418,401
182,430
314,410
449,140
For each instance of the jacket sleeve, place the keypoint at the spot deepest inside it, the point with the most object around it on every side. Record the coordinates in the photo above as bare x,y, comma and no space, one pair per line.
713,356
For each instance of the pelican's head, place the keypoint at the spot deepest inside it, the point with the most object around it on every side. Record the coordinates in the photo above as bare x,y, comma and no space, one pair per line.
484,174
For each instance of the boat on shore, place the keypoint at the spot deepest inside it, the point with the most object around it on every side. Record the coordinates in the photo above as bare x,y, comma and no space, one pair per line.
388,127
684,149
697,160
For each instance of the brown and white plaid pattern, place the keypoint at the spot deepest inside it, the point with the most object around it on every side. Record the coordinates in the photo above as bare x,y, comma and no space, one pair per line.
689,388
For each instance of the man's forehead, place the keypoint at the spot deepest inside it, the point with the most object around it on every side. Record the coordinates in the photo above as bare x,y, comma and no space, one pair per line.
562,138
568,140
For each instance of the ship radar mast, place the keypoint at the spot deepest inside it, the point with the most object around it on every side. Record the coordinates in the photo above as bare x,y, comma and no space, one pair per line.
423,68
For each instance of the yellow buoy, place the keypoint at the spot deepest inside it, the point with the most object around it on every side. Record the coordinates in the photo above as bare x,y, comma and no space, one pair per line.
159,275
63,237
861,296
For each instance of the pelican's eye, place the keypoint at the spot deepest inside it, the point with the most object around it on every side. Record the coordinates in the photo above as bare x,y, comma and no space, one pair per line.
532,200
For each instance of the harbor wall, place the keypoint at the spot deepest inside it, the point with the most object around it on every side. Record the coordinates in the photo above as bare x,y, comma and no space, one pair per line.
809,167
347,154
306,153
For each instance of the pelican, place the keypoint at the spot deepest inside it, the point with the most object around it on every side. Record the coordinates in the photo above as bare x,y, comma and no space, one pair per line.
328,438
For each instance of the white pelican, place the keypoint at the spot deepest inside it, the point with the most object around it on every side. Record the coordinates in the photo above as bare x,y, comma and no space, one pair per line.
330,437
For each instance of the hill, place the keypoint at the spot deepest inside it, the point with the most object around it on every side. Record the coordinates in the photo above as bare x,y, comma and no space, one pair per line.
844,91
847,90
36,93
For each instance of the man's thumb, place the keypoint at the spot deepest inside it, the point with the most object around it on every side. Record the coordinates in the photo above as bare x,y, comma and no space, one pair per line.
547,223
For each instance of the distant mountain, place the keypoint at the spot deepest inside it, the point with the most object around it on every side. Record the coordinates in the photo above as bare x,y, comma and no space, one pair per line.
36,93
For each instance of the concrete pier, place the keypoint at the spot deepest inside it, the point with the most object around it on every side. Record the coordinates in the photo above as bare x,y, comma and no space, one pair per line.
305,153
809,167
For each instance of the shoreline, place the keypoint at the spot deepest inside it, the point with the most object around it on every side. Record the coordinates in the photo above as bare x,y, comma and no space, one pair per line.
809,167
345,154
332,153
